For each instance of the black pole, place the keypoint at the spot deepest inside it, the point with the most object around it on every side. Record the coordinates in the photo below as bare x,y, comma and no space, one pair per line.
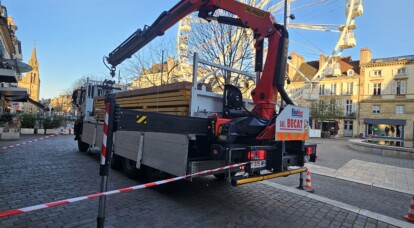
106,155
301,174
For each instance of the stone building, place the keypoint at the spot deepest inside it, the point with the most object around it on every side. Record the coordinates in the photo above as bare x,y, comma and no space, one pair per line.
32,79
10,65
387,99
338,90
62,104
376,95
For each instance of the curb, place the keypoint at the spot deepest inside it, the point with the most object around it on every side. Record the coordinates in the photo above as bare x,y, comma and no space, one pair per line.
357,210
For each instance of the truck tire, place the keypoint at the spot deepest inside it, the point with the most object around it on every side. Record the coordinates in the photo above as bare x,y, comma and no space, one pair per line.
82,146
155,174
129,168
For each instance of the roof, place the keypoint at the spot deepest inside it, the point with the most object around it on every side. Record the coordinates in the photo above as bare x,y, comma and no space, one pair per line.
394,59
310,68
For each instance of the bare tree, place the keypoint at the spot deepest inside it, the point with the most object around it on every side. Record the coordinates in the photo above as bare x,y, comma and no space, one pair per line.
225,45
154,65
79,83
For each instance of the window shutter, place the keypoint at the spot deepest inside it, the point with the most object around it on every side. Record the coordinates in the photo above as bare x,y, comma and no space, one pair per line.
403,87
354,89
394,87
344,105
370,89
353,106
343,88
337,89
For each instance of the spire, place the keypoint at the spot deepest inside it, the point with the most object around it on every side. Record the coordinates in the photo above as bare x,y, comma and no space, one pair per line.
33,59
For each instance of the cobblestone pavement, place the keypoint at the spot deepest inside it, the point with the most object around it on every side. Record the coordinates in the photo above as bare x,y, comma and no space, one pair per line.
53,169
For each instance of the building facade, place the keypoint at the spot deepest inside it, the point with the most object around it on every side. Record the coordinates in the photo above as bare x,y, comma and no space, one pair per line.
387,102
62,104
334,100
375,96
10,65
31,81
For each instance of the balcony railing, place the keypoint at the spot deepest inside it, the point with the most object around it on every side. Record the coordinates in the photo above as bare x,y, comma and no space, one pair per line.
350,115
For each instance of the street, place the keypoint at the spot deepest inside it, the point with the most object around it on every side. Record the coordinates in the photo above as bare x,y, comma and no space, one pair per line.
52,169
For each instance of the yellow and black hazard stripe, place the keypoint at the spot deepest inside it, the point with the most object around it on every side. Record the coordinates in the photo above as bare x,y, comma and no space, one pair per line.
141,119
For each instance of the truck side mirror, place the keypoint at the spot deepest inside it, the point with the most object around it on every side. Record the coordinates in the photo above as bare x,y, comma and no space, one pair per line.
75,97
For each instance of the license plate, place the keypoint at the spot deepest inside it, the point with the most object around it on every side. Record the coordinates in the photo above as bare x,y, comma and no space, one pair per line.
258,164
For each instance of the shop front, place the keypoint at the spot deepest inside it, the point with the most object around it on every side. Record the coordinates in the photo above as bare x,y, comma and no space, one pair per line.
385,128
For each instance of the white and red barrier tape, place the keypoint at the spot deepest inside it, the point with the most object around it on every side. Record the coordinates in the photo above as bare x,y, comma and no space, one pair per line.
28,142
141,186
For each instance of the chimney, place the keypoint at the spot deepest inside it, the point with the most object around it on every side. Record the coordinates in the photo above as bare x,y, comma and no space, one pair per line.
365,56
322,60
296,61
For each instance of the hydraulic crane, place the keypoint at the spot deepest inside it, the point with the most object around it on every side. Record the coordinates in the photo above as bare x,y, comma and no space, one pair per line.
269,142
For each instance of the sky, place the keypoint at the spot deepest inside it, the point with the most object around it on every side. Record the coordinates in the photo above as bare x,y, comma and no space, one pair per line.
72,36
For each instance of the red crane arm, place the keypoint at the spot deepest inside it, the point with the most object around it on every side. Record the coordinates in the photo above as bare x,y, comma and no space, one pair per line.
261,22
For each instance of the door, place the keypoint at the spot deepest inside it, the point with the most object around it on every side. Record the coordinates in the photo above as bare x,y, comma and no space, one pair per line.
348,128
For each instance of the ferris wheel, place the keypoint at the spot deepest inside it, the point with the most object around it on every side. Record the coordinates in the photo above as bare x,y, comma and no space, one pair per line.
338,28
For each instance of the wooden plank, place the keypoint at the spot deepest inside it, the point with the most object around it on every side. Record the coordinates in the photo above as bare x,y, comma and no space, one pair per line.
156,89
181,93
152,100
170,109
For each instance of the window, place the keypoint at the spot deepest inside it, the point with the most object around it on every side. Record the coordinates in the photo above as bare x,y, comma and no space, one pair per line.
376,109
333,89
399,109
377,73
321,89
402,71
348,107
377,89
349,88
398,87
350,72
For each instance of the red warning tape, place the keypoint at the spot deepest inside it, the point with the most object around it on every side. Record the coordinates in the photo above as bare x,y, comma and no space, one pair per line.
141,186
28,142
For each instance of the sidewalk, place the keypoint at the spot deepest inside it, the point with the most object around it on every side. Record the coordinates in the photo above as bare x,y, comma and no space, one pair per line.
336,159
369,173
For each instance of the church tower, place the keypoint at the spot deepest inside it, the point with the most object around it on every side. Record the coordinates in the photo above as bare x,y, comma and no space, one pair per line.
32,80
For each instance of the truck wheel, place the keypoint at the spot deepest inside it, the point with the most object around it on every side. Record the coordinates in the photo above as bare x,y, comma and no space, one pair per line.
82,146
116,162
155,174
129,168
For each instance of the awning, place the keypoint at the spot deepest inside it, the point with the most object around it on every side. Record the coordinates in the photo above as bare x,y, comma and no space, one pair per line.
14,94
37,104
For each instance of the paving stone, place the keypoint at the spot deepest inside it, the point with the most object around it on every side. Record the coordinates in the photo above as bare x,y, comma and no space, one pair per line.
53,170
